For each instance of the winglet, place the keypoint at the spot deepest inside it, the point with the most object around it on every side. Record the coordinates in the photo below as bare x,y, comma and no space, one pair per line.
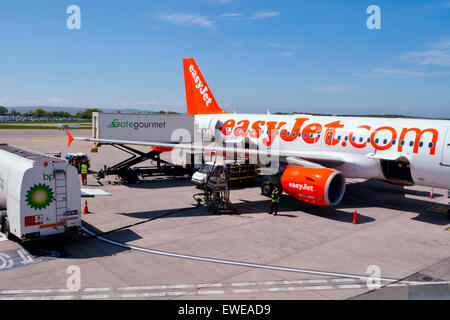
70,138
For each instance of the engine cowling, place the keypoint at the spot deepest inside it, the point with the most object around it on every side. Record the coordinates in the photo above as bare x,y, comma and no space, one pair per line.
318,186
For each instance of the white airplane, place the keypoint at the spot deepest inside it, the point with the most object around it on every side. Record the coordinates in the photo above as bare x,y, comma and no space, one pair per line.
65,126
317,153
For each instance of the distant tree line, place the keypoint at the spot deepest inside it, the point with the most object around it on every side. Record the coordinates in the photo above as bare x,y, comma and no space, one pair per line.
86,114
163,112
41,113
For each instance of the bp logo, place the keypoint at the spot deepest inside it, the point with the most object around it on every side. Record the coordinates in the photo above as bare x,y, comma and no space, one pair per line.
39,196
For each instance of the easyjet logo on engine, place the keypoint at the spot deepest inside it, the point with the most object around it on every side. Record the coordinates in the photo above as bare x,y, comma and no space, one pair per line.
312,132
202,88
301,186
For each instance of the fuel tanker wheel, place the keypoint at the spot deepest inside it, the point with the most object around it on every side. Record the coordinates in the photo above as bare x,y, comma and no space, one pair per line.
8,233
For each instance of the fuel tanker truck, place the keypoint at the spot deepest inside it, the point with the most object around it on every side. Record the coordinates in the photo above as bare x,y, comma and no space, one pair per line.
39,194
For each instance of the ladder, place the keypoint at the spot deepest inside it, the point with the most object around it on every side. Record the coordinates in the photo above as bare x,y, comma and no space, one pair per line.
218,191
60,195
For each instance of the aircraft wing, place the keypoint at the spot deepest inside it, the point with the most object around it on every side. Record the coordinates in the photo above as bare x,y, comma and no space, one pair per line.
326,159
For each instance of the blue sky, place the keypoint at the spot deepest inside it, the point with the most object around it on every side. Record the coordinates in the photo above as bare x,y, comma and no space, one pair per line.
305,56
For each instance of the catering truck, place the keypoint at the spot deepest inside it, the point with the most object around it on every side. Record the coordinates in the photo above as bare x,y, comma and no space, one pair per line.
39,194
143,127
163,128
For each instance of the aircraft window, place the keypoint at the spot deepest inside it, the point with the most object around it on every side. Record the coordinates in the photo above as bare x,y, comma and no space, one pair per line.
257,131
411,143
346,138
305,135
311,135
339,137
361,139
294,134
430,145
393,142
385,141
368,140
318,136
329,137
421,144
402,142
353,139
377,140
282,133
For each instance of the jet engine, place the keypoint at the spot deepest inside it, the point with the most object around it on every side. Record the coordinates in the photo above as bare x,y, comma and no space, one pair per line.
318,186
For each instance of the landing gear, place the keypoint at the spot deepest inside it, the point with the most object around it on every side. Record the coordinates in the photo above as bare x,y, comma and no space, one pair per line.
448,210
267,188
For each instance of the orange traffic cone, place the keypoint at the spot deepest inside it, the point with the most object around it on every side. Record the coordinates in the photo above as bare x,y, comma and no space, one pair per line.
431,194
355,218
86,210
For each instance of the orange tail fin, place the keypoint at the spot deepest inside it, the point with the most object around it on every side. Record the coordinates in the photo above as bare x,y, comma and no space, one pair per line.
70,138
199,97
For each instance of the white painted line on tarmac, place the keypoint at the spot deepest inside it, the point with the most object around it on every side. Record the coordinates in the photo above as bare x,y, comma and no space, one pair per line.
351,286
342,280
138,288
64,297
97,289
246,291
209,285
211,292
56,298
201,289
96,296
37,291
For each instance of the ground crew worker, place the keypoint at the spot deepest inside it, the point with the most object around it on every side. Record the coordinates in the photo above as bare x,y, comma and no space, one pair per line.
276,194
84,172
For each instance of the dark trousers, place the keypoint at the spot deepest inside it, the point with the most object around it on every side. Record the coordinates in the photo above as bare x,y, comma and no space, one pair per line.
273,208
84,178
